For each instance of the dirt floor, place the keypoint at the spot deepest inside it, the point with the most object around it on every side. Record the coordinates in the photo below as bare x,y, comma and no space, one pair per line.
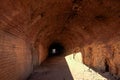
66,68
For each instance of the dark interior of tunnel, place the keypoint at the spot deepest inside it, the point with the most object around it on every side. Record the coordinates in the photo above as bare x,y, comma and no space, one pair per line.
45,39
106,66
56,49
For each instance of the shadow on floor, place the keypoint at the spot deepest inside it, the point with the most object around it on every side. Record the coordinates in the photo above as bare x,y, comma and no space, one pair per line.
68,67
54,68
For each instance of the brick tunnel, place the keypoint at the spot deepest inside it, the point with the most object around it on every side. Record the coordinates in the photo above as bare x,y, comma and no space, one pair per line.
59,39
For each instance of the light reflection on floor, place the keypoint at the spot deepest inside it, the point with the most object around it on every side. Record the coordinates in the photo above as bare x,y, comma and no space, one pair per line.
80,71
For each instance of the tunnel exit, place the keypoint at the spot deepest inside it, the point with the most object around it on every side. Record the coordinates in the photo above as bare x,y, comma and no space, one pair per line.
56,49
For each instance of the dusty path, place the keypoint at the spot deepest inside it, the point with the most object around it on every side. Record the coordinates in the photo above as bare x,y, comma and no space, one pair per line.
54,68
61,68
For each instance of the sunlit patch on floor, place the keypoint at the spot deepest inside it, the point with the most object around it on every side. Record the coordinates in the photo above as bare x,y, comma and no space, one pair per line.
79,70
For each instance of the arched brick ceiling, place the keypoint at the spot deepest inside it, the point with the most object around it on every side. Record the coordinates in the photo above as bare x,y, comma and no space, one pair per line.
46,19
92,25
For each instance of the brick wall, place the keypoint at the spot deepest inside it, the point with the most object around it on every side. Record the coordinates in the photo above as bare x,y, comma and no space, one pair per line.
15,57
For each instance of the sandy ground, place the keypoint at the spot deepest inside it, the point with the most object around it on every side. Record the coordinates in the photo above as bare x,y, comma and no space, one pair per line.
66,68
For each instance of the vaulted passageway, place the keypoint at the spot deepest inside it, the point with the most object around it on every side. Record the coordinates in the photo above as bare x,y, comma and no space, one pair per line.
34,32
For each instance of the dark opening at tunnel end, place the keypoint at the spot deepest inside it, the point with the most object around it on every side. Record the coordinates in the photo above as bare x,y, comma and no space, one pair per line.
56,49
